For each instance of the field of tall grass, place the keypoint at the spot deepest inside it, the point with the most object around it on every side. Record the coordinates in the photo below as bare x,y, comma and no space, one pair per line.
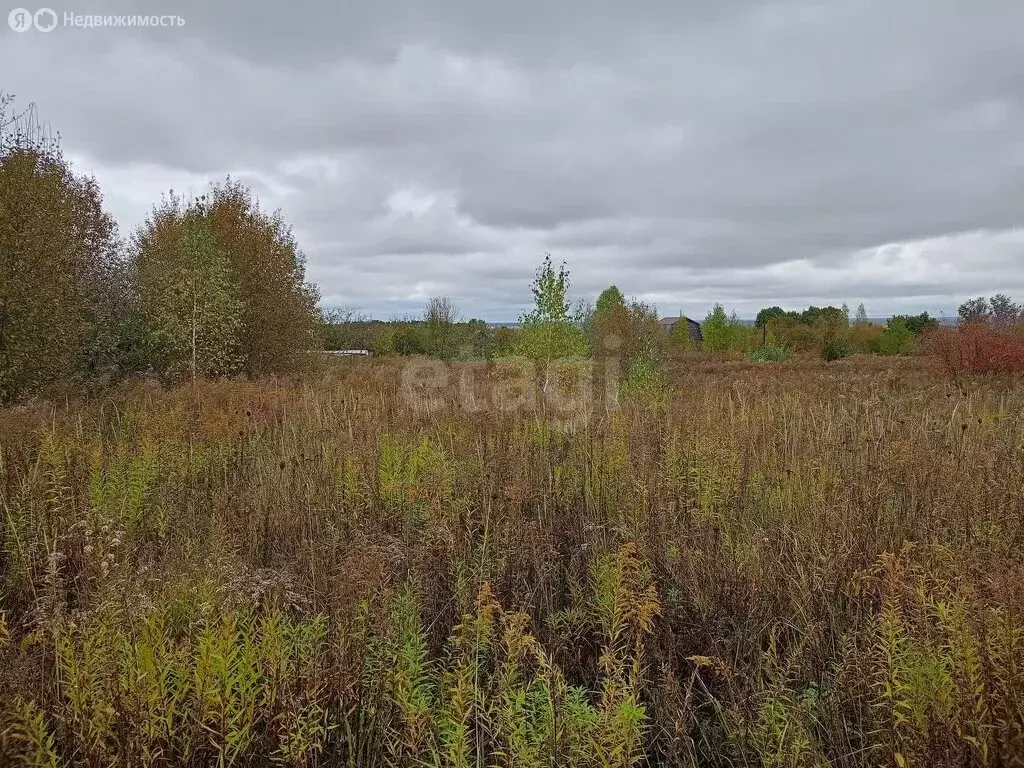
800,564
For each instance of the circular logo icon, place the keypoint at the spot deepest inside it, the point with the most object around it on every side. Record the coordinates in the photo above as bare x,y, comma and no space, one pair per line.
20,20
45,19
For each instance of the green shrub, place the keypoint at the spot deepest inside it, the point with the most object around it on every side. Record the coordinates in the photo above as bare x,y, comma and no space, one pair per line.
835,349
916,324
644,378
768,355
722,332
898,339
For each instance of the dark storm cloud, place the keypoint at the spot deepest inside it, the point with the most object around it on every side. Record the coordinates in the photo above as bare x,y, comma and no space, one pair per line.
749,152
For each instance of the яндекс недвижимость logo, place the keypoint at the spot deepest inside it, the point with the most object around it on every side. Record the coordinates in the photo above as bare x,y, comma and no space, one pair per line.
46,20
22,19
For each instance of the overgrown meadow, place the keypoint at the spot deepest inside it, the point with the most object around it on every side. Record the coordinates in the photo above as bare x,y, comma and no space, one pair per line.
804,564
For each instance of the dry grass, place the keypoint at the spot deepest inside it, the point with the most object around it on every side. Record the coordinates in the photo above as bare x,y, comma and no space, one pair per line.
792,565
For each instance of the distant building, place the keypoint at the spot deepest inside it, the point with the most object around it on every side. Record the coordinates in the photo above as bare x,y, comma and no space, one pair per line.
668,324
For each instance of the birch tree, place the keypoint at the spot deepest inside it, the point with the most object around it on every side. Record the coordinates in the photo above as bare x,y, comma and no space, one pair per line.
547,333
279,319
187,299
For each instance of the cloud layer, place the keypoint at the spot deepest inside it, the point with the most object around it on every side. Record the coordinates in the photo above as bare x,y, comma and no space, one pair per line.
752,153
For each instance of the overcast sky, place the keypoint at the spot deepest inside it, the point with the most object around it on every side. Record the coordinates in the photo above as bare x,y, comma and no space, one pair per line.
689,151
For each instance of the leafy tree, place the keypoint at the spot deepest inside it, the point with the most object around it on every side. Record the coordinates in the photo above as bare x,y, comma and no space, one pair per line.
278,308
835,348
722,332
974,309
1004,309
611,298
832,328
916,324
810,316
863,337
410,339
60,277
625,338
999,308
832,315
681,340
187,299
897,339
862,333
768,314
385,342
478,339
822,330
276,322
504,342
607,324
441,316
547,341
549,290
644,338
546,333
715,329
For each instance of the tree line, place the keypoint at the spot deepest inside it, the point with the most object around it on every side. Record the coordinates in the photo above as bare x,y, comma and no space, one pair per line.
204,287
987,338
629,330
830,332
554,328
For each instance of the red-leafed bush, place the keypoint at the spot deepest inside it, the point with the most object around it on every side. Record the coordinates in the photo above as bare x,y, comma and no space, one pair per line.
978,347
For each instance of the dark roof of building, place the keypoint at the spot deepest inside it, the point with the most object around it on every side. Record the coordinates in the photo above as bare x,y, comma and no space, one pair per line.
668,322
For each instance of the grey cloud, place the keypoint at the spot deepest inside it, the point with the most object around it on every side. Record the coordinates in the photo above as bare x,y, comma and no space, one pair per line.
752,152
